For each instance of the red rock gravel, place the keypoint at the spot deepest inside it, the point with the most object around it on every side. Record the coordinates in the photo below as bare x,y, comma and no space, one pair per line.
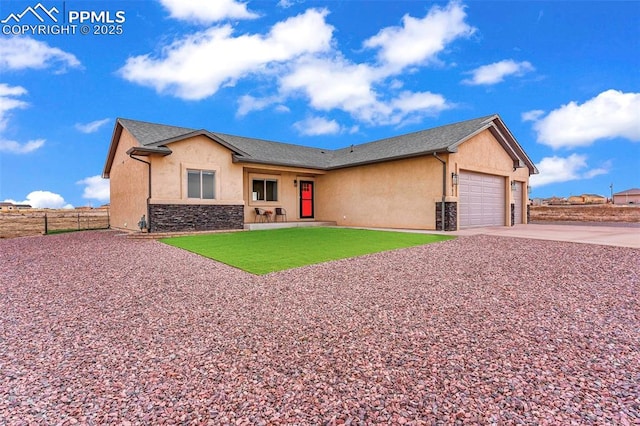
96,328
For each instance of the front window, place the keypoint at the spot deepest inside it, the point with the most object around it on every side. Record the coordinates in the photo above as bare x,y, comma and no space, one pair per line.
265,190
201,184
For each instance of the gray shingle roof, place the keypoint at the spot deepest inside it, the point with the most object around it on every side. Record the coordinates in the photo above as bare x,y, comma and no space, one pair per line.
438,139
277,153
155,137
149,134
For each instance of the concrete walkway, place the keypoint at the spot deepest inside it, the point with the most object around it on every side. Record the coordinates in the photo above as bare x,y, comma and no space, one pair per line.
621,236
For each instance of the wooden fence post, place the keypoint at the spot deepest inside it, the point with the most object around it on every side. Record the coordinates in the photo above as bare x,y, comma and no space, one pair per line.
46,225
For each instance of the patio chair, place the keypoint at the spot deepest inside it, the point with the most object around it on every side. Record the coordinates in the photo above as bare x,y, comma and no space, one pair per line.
261,215
281,212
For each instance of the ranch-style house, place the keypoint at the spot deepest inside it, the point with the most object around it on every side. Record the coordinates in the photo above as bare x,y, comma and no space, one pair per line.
467,174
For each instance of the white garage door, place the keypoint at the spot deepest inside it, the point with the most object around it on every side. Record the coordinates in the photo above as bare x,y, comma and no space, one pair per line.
517,200
482,200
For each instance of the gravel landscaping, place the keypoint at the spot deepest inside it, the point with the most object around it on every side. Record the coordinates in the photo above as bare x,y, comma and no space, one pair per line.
96,328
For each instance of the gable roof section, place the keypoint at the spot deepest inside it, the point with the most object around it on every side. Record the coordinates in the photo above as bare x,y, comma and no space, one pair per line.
277,153
439,139
149,134
154,138
632,191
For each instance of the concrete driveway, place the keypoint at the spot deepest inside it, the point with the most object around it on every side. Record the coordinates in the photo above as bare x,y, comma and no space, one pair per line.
624,235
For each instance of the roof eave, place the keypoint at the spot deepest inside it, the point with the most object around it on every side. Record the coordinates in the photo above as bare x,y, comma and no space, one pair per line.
519,156
238,159
447,150
201,132
115,138
145,151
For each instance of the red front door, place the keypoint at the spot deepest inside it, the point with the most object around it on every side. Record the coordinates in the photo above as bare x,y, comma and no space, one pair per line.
306,199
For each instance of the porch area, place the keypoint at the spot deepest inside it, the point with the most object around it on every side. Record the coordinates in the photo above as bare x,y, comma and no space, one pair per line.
255,226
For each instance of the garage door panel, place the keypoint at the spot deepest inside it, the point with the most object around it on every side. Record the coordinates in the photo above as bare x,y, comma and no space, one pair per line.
482,199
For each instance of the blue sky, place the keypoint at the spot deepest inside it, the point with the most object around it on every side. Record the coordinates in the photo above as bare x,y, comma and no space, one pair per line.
563,75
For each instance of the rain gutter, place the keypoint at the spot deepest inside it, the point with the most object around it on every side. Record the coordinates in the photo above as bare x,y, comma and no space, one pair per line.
149,190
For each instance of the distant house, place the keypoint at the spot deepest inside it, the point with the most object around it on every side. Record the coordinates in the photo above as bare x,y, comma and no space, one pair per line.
9,207
556,201
6,206
630,196
466,174
594,199
575,199
587,199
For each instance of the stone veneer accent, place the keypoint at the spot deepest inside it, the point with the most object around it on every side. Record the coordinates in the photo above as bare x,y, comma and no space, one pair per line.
194,217
450,214
513,214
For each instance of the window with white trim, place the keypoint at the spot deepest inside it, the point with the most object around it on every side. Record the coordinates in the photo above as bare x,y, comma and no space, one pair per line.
201,184
265,189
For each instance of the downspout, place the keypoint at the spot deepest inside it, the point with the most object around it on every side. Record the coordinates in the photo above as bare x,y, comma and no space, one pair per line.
444,188
149,191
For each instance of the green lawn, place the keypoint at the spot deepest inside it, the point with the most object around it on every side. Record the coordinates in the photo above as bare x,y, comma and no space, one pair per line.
261,252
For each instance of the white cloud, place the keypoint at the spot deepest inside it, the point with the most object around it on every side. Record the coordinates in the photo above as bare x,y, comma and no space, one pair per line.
611,114
8,102
338,84
17,53
496,72
560,169
532,115
314,126
247,104
186,69
418,41
20,148
333,83
206,12
91,127
6,90
285,4
44,200
96,188
423,102
282,108
396,84
300,54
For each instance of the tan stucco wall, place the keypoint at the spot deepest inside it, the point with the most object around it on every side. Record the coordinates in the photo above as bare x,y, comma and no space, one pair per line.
128,186
169,173
395,194
484,154
626,199
403,193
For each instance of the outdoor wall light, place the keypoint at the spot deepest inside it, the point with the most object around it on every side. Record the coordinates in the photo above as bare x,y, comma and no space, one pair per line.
295,182
514,185
454,178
